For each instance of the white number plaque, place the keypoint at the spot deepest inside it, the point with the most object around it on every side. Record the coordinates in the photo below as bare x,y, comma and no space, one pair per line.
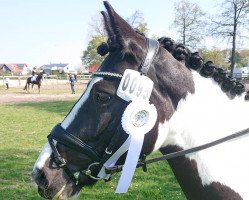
134,86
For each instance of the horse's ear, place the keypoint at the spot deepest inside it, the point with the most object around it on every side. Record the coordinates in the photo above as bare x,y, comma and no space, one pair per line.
107,24
119,31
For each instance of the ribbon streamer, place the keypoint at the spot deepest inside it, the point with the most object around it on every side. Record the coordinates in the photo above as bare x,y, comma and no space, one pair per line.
130,164
137,120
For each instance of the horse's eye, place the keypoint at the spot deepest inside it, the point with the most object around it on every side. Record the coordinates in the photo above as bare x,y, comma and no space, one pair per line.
102,98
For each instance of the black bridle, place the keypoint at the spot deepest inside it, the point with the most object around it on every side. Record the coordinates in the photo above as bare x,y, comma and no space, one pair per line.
62,136
59,134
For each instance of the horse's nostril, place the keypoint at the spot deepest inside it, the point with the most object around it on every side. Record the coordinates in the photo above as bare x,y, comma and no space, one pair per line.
40,178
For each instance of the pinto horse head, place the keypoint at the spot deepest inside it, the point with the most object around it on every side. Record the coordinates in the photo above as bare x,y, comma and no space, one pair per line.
94,123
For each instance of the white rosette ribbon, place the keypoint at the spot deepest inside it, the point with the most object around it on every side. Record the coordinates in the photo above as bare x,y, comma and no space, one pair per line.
137,120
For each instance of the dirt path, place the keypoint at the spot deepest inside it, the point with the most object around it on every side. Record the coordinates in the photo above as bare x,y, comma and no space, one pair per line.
48,93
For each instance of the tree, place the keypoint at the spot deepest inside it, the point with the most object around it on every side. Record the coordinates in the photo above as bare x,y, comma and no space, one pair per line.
244,57
237,59
230,22
218,57
137,22
97,26
189,23
90,55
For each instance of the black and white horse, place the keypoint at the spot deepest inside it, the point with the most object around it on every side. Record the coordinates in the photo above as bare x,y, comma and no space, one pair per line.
192,110
37,82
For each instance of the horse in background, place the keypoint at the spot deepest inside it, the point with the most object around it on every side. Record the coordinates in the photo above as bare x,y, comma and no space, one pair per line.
196,103
37,82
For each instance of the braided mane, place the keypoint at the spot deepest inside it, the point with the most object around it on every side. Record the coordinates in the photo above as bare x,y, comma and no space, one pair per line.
229,85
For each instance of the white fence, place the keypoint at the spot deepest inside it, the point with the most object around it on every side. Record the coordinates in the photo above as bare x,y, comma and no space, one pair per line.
20,81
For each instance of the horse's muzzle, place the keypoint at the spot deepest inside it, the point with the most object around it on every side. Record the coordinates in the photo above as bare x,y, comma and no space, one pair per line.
39,178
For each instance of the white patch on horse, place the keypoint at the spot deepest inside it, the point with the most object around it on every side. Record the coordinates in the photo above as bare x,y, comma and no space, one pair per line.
70,117
208,115
163,129
46,152
44,155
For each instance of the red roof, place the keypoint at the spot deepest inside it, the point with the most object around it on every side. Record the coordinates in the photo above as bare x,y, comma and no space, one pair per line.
15,68
93,67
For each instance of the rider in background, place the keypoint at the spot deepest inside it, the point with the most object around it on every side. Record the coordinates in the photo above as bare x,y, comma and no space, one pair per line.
33,73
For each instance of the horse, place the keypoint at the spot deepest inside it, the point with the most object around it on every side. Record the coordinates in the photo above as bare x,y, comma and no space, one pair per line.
143,95
36,82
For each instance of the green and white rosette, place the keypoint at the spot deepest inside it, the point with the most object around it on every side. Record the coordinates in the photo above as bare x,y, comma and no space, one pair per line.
137,120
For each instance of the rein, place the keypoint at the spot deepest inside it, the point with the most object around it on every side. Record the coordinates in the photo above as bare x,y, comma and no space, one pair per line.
143,163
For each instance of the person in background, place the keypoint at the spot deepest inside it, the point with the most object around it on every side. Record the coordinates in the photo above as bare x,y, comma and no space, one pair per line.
7,81
72,82
33,73
75,77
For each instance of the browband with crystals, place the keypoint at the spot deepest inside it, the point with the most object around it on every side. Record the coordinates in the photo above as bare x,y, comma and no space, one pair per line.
110,74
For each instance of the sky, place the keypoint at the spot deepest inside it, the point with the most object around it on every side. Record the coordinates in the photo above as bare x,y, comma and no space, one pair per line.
40,32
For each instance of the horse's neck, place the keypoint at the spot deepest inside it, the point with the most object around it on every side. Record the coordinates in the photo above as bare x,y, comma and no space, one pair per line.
209,114
38,79
202,117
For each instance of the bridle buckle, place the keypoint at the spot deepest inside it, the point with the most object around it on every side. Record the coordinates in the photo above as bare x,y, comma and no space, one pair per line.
107,151
88,171
61,162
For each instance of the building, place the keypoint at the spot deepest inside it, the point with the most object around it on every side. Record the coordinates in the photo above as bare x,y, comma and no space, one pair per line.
14,69
93,68
53,68
241,72
70,70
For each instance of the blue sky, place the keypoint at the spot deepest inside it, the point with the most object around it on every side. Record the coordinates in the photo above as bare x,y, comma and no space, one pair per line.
38,32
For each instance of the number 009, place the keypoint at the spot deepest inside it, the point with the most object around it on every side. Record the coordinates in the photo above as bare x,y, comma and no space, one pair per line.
130,85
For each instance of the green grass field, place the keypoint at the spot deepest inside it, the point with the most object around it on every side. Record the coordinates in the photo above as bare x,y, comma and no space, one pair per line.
23,131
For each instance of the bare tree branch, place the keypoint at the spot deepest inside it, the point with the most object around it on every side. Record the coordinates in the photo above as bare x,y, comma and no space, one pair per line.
229,24
189,23
97,26
137,22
